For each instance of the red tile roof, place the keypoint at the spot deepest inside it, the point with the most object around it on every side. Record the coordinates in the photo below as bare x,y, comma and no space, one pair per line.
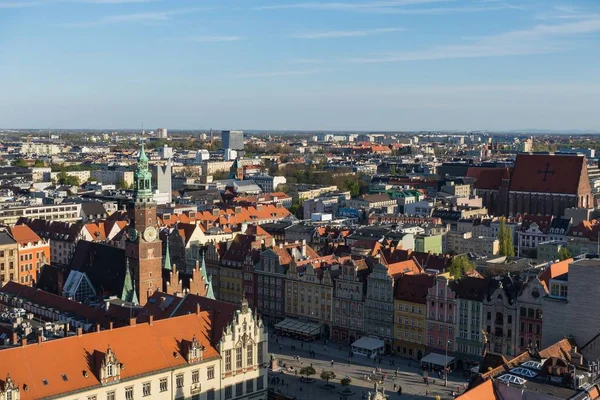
488,178
142,349
566,174
485,391
23,234
555,270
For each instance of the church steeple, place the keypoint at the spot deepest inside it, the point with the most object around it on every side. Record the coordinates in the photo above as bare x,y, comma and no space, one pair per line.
142,185
209,290
203,269
129,294
167,258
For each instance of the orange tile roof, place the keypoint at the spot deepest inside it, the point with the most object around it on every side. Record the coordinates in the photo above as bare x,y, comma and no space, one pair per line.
555,270
23,234
96,231
485,391
404,267
142,349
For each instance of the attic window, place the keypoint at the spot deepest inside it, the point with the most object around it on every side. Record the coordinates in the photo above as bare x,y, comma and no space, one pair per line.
45,382
64,377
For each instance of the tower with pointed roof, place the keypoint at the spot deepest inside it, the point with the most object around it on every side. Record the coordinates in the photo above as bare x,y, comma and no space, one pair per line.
236,171
143,247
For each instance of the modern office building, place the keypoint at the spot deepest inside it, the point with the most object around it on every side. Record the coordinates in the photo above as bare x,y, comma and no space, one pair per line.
233,140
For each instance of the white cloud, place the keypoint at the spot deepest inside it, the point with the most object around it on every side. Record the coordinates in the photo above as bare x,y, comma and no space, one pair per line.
344,34
205,39
536,40
345,6
277,74
155,16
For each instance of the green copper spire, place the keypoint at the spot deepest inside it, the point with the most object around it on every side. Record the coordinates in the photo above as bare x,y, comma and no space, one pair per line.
128,294
209,290
167,258
142,185
203,269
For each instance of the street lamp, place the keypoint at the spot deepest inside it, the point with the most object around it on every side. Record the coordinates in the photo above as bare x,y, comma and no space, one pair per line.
446,365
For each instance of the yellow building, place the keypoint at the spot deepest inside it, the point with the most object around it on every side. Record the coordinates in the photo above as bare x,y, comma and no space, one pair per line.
410,313
309,293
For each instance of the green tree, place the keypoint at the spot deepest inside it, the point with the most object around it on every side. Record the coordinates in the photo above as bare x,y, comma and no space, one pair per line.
122,185
327,375
65,179
505,238
307,371
564,254
39,164
20,162
346,382
459,266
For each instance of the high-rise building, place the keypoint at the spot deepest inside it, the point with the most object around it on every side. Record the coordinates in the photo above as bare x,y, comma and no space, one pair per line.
233,140
161,133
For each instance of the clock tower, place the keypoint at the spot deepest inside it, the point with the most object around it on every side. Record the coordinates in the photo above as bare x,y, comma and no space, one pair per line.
143,248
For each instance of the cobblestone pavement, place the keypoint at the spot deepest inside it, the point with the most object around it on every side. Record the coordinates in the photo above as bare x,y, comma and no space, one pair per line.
360,370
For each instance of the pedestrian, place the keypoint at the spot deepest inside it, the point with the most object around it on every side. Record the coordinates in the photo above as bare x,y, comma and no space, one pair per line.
302,345
395,387
426,392
332,363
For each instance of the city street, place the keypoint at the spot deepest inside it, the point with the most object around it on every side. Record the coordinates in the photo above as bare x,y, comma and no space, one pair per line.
360,370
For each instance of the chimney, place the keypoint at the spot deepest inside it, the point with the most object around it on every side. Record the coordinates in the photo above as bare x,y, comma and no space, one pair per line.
97,327
132,321
79,331
151,319
198,309
15,338
110,325
24,342
40,339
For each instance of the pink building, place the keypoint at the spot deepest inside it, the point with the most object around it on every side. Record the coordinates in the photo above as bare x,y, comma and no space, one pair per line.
441,317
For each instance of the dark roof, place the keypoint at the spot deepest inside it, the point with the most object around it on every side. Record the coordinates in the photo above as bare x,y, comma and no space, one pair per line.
161,305
6,239
446,215
562,173
470,288
55,230
488,178
93,208
413,288
52,279
103,264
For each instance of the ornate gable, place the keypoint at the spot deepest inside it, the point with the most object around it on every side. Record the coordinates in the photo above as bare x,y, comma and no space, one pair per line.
195,351
110,368
8,389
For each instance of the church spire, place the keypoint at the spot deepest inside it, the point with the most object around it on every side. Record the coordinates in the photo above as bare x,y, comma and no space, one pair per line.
167,257
142,184
203,268
209,290
128,294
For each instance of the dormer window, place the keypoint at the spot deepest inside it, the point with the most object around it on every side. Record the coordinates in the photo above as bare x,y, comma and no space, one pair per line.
195,351
9,389
110,368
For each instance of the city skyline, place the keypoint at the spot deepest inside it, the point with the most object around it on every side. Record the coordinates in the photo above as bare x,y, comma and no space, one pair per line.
301,65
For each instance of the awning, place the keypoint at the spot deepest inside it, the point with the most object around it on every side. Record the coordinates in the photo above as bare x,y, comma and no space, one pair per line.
298,327
437,359
369,343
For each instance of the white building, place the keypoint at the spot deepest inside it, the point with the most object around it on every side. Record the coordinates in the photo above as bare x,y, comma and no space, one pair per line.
202,155
161,133
165,152
268,183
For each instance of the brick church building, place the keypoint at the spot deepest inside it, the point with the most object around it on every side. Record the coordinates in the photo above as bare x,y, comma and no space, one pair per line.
544,184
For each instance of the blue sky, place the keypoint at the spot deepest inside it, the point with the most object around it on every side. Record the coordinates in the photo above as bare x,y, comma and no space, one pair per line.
294,64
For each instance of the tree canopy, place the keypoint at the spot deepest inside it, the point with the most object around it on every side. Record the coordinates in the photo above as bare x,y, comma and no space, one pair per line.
460,266
505,238
327,375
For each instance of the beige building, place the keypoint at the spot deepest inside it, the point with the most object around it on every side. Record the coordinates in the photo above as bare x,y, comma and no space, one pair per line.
309,293
62,212
171,358
457,190
465,242
113,177
82,176
9,270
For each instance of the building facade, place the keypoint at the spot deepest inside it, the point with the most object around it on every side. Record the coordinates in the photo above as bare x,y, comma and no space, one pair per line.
349,301
9,260
500,313
410,309
441,317
379,305
32,251
531,312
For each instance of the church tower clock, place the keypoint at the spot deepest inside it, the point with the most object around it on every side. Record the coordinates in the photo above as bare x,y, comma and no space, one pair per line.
143,247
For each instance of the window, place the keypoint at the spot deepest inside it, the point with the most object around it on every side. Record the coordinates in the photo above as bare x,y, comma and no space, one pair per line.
164,384
179,380
109,370
195,376
210,372
129,393
92,397
239,389
250,386
110,396
210,395
250,351
238,358
146,389
510,319
227,360
260,352
228,392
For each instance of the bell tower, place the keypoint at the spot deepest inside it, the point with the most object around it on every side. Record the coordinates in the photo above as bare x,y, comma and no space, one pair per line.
143,248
